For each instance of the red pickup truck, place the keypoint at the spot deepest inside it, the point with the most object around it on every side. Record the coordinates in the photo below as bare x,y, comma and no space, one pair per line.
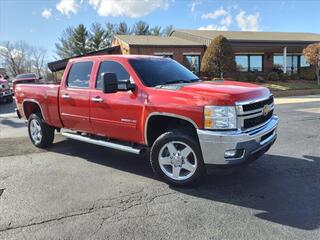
154,105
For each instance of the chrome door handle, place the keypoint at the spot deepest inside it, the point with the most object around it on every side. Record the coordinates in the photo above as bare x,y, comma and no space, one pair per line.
65,96
96,99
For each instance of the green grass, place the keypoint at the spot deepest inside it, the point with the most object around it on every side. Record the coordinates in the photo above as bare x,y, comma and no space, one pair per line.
291,85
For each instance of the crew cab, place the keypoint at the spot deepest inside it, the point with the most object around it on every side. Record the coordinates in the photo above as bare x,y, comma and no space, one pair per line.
153,105
5,92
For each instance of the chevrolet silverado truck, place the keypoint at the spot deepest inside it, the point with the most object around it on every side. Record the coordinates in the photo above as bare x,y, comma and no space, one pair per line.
153,105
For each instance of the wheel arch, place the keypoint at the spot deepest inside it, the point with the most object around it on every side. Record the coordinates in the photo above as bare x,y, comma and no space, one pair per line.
175,121
30,106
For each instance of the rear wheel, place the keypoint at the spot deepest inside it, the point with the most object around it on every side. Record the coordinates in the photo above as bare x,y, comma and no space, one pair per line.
40,133
177,159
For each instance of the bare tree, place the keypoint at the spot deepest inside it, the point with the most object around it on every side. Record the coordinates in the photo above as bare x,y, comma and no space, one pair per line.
38,58
20,58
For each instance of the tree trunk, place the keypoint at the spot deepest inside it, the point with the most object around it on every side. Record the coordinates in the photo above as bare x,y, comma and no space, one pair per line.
318,74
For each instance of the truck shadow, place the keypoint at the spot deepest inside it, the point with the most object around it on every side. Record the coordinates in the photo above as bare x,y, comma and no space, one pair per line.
279,189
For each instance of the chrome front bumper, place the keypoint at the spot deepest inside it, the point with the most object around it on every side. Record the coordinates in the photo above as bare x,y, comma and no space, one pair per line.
250,144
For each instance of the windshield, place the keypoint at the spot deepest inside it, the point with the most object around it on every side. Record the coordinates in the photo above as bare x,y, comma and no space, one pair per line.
30,75
161,71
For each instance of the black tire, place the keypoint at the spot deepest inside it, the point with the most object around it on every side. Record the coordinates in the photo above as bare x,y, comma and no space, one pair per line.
47,132
177,135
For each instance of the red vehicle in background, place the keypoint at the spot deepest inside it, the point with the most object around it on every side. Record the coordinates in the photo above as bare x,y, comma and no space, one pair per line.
147,104
5,92
25,78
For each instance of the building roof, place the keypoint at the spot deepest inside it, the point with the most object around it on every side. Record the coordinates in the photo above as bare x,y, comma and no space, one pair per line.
61,64
146,40
251,36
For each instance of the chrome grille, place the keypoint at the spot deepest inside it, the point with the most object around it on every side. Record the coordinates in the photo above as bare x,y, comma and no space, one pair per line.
251,114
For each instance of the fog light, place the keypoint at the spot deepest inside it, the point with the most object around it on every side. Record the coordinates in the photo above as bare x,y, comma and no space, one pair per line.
233,153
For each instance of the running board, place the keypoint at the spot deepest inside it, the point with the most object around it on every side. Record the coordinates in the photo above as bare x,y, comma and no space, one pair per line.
116,146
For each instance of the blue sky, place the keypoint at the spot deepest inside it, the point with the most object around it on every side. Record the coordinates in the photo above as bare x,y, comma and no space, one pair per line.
41,22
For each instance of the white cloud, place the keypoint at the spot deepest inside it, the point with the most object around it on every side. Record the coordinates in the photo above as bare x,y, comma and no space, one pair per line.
67,6
129,8
226,20
248,22
194,4
220,12
46,13
214,27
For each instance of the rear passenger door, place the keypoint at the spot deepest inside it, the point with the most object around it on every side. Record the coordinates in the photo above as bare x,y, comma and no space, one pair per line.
74,97
115,115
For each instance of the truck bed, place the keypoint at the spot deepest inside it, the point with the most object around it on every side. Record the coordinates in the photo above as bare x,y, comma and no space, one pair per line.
46,95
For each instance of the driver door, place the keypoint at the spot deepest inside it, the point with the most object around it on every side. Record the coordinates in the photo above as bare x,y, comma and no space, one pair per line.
115,115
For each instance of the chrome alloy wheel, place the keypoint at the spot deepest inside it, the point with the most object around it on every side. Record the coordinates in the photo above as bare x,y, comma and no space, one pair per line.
35,131
177,160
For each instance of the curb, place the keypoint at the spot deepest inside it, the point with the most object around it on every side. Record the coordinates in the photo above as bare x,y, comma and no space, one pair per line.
299,92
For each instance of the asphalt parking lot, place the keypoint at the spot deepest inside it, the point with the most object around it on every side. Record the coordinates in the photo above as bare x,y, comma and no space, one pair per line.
78,191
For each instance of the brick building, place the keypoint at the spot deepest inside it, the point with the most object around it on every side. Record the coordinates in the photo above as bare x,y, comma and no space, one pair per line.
254,51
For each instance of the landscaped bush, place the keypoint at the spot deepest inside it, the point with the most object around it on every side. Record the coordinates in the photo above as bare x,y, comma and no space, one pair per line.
260,79
273,76
295,76
307,73
251,77
284,77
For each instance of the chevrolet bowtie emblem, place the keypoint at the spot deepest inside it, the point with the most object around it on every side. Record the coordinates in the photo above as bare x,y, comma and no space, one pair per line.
265,110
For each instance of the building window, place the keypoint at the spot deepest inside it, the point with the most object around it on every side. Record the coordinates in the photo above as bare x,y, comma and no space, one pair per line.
294,62
303,62
249,63
164,54
192,62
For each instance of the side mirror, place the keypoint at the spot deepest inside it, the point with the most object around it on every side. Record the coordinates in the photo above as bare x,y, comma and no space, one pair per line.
109,83
126,85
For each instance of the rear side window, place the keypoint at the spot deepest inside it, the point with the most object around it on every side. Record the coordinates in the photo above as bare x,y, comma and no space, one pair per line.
79,75
111,67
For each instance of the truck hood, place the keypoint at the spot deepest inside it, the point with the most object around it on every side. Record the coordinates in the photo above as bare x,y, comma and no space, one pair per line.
225,92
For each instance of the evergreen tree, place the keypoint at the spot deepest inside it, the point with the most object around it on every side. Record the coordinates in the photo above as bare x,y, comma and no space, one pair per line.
167,30
80,40
98,37
65,46
123,28
141,28
155,31
218,58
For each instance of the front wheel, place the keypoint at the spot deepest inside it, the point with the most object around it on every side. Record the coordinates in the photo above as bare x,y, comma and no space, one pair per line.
40,133
176,157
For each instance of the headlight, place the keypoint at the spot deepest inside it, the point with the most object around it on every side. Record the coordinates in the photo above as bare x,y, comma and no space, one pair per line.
218,117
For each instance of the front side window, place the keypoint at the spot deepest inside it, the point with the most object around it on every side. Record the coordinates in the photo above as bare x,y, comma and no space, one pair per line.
111,67
79,75
192,62
161,71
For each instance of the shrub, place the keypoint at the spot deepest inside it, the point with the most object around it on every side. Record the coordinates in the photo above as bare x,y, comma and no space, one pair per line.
273,76
295,76
307,73
284,76
251,77
218,58
260,79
